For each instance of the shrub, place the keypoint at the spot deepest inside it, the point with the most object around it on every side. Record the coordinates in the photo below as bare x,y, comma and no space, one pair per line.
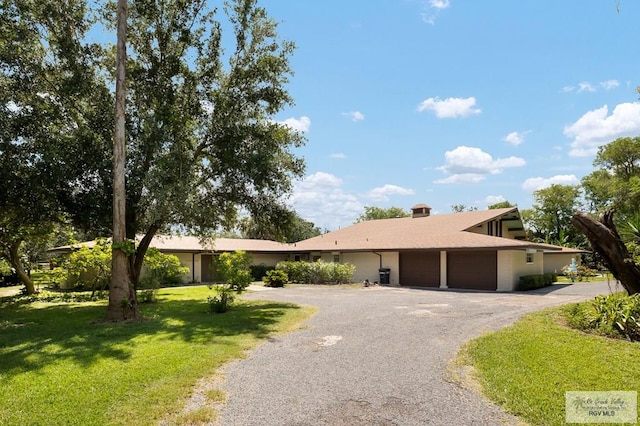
235,269
275,278
147,296
89,268
531,282
319,272
162,270
616,315
259,271
222,300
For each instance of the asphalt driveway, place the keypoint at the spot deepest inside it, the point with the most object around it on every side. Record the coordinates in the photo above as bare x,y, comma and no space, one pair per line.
377,356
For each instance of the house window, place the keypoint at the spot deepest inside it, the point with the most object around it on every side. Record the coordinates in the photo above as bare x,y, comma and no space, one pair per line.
529,257
316,258
490,228
297,258
336,258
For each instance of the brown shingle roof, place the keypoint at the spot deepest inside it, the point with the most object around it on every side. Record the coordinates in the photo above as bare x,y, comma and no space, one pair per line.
193,244
445,231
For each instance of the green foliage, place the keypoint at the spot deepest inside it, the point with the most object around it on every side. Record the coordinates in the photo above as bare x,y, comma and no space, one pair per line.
531,282
203,139
374,213
500,205
149,295
90,268
128,247
162,270
615,315
549,219
223,299
5,267
259,271
616,182
319,272
458,208
58,277
235,269
275,278
47,296
284,226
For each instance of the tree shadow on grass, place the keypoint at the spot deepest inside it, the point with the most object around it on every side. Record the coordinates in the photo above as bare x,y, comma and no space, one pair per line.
34,336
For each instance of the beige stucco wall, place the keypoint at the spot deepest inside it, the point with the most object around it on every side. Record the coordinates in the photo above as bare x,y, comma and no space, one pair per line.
269,259
512,264
368,263
186,260
553,262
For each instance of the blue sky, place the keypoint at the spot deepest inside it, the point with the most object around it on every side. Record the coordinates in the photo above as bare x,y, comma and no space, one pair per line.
453,102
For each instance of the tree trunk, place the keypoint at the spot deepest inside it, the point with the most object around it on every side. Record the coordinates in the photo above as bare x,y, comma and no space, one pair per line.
136,260
122,294
16,263
606,241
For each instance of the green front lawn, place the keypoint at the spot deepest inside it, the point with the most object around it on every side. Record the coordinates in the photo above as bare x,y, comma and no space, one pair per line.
59,366
528,367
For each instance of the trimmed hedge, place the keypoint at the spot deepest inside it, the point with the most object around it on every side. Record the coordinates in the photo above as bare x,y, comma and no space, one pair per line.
531,282
318,272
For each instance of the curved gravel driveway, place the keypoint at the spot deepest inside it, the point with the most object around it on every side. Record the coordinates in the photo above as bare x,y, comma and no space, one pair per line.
377,356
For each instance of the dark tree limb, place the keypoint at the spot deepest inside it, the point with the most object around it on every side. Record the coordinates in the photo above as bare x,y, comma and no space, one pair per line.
606,241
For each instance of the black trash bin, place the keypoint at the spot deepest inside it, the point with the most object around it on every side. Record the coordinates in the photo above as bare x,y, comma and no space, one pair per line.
385,273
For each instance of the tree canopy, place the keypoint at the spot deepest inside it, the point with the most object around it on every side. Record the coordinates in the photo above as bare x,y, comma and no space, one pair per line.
374,213
202,138
288,228
549,219
616,181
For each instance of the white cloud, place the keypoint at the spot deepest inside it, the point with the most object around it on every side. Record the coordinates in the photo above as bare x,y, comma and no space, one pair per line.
472,165
609,84
320,198
516,138
534,184
301,124
450,107
432,9
354,115
382,193
439,4
585,86
494,199
596,128
462,178
339,155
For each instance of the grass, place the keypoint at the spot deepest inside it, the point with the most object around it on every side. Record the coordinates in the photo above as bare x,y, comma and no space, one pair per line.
59,366
528,367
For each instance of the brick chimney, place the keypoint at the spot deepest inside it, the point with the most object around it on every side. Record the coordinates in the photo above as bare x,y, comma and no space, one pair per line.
420,210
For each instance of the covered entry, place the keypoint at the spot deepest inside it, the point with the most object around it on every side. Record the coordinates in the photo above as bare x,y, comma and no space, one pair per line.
420,268
477,270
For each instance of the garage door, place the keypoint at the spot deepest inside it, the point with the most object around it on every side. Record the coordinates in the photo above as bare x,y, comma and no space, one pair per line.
476,270
420,269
